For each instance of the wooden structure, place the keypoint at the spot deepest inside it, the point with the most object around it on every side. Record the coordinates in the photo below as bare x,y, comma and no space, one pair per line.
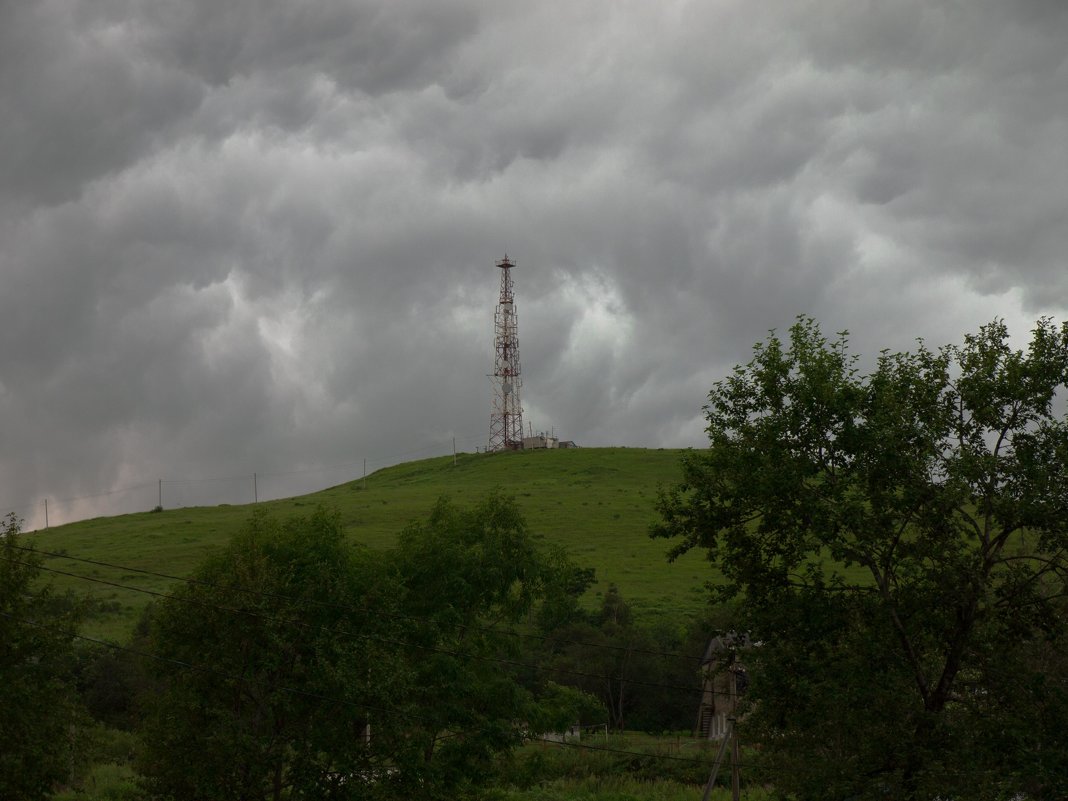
724,683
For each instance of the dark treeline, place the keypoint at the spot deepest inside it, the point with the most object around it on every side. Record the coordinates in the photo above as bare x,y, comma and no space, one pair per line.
295,664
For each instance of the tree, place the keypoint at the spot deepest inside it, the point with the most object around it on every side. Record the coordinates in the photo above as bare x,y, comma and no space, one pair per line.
271,663
296,665
39,713
468,576
634,668
899,541
603,656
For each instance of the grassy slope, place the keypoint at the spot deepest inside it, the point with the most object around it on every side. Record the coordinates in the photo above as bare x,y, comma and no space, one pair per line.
595,502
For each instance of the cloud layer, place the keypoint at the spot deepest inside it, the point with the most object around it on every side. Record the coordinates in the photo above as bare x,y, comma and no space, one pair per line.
260,236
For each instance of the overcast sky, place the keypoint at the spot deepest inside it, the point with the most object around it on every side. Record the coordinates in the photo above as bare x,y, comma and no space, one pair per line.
243,237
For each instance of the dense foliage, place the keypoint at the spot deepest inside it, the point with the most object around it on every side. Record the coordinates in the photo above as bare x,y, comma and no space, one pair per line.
646,675
296,665
40,717
899,539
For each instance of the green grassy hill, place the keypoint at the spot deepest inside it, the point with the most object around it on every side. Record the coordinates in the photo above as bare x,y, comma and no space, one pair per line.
595,502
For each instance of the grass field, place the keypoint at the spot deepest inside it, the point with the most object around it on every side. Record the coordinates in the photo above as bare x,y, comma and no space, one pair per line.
639,767
600,788
598,503
631,767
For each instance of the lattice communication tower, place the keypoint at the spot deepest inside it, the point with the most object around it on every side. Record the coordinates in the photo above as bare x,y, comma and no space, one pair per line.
506,422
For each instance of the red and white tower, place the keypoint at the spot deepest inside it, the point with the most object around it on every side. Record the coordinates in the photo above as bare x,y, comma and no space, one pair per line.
506,422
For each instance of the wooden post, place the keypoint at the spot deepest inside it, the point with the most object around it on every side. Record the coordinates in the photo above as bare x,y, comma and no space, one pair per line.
736,782
719,759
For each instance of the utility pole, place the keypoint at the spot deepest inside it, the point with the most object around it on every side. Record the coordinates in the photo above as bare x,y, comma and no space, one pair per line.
454,451
736,779
46,512
160,504
255,489
719,760
730,738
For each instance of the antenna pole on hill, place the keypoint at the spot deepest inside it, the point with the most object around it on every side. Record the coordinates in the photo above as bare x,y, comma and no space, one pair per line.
506,421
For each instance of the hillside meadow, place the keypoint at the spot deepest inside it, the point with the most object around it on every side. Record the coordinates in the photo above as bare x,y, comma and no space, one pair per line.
596,503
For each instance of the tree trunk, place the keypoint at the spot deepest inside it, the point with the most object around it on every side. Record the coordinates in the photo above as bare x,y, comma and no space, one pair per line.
277,790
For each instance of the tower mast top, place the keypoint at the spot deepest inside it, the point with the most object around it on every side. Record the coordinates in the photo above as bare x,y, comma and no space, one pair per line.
506,420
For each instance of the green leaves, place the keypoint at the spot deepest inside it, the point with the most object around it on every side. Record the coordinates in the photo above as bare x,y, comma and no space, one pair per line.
931,492
479,561
38,710
267,674
277,656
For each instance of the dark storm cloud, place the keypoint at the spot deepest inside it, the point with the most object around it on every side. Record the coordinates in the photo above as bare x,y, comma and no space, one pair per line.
367,46
260,236
77,99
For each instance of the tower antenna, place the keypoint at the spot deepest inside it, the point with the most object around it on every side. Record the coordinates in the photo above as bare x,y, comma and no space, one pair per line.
506,421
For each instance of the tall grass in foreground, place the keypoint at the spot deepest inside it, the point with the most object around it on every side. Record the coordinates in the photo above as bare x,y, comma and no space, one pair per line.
632,767
105,782
619,788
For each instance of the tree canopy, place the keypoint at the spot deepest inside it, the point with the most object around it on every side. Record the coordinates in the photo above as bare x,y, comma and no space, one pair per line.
38,705
296,664
898,540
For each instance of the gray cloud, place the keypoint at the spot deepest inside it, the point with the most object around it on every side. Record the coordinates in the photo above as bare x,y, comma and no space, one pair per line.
261,236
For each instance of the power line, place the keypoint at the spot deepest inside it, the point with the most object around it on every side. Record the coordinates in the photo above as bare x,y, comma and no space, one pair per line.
239,477
191,666
305,471
198,668
117,491
349,608
386,461
349,633
103,494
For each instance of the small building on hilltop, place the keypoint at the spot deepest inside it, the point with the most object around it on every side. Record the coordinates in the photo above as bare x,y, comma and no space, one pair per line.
540,440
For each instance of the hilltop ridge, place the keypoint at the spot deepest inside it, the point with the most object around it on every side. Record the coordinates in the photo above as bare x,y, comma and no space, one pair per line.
597,503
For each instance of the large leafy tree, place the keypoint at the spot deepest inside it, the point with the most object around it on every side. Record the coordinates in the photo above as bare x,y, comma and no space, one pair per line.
898,539
296,665
271,663
40,718
468,575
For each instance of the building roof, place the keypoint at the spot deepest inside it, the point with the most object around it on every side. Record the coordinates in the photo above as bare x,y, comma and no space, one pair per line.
725,643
